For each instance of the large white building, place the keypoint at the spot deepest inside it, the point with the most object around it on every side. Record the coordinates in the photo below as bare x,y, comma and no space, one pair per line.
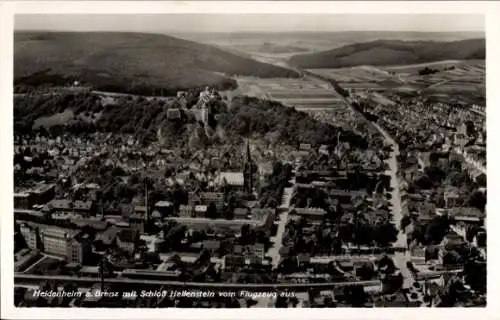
71,245
57,241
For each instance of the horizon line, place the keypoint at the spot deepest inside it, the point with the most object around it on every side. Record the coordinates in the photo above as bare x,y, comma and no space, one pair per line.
250,31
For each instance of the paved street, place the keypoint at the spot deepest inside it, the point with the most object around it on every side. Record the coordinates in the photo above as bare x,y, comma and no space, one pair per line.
400,258
283,219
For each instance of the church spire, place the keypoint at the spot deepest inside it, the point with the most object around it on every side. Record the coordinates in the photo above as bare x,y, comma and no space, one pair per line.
249,156
248,169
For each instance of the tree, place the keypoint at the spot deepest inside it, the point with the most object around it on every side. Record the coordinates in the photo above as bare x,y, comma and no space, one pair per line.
475,274
385,233
470,128
471,232
212,211
365,272
481,180
435,174
245,230
355,295
204,257
387,265
405,221
437,229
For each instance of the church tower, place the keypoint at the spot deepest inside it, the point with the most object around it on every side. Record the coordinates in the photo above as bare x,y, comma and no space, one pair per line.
248,170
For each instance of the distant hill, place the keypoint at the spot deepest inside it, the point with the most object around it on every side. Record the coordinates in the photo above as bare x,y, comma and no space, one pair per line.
392,52
128,62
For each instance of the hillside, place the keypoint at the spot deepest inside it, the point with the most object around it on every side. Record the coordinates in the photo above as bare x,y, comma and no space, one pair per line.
147,120
128,62
392,52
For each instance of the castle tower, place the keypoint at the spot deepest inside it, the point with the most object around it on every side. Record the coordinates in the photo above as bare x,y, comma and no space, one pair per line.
205,111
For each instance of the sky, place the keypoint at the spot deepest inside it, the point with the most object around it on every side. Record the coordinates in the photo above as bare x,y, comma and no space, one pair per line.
250,22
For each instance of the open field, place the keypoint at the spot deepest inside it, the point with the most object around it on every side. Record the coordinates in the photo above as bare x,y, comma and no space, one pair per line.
56,119
413,68
456,80
301,93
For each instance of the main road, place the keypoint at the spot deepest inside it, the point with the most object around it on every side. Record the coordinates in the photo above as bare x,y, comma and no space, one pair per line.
284,209
400,257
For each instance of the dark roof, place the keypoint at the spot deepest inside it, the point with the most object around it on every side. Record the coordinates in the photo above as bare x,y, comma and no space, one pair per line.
128,235
284,251
109,235
82,205
59,204
82,237
95,224
240,211
211,244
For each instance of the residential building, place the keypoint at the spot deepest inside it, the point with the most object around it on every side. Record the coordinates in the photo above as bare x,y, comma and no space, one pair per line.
234,261
417,254
30,235
451,197
312,215
200,211
136,222
235,180
23,200
452,240
127,239
323,149
44,193
141,211
258,250
261,213
24,258
240,213
305,147
211,245
68,206
108,237
194,198
216,198
186,211
235,224
466,215
265,169
165,208
80,249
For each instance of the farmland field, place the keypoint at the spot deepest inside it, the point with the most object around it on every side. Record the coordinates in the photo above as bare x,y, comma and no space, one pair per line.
455,80
302,93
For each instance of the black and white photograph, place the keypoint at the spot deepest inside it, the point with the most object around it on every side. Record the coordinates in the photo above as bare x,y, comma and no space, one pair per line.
249,160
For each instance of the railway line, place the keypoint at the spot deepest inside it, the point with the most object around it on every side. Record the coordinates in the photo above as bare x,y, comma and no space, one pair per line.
28,279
